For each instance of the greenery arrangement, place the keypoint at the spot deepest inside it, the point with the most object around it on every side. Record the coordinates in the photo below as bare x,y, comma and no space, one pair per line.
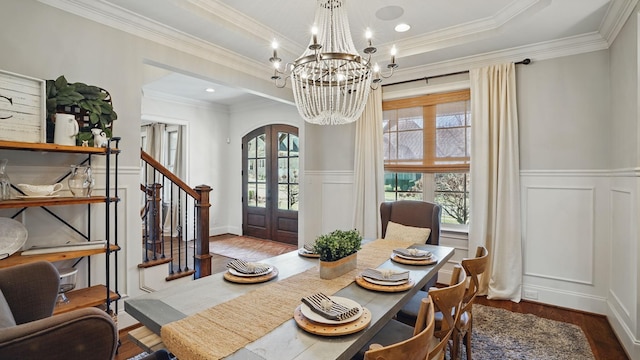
337,244
92,99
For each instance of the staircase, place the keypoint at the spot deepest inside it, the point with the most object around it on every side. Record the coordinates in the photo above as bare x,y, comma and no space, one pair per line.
175,223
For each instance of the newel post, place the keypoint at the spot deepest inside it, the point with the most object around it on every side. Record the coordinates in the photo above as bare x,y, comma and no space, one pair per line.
202,263
153,227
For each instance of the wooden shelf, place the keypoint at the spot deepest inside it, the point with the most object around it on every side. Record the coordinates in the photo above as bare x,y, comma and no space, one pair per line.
68,200
17,145
86,297
17,258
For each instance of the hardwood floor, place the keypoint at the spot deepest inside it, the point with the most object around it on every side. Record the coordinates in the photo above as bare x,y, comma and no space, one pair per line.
604,343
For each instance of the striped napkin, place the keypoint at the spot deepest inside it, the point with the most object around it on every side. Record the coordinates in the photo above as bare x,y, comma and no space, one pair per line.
244,267
413,253
308,248
322,305
385,275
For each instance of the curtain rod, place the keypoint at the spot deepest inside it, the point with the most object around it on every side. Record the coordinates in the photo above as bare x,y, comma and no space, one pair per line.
526,61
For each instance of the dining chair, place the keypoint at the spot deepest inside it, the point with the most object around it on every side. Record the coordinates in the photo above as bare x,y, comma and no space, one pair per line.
396,332
474,268
421,214
414,348
413,213
448,302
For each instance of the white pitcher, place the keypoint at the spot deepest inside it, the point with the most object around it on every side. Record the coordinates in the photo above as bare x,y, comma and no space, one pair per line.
66,129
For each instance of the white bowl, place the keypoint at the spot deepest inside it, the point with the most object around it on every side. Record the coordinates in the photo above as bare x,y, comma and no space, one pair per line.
39,190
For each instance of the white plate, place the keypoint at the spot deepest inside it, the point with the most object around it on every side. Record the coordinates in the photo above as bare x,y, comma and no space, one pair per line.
237,273
313,316
305,251
415,258
13,235
385,283
36,197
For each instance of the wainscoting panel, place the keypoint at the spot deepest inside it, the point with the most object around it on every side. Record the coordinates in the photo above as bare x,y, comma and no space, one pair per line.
328,203
559,218
565,223
623,298
622,256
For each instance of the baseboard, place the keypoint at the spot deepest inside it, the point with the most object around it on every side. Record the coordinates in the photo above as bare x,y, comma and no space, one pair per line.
630,344
222,230
565,299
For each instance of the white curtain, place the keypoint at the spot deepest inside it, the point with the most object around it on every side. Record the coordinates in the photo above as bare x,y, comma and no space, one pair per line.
369,168
495,179
179,170
154,134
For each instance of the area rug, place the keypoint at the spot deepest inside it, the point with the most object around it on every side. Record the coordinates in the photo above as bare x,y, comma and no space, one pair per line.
248,249
502,334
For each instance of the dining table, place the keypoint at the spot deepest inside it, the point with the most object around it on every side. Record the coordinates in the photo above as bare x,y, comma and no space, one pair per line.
197,319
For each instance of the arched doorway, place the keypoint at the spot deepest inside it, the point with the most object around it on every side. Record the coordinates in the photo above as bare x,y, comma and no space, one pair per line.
270,183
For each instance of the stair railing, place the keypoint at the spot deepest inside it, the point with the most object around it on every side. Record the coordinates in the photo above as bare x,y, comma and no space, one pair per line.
185,248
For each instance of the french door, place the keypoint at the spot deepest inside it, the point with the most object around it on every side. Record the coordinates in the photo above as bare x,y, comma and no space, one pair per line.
270,183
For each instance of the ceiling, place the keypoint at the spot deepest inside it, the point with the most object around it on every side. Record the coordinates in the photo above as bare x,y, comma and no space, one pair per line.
444,34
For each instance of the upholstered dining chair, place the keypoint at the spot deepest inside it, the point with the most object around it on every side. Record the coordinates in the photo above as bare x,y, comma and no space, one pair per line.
403,216
413,213
442,299
414,348
28,330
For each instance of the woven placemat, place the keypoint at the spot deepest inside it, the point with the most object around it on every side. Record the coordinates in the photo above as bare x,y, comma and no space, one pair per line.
227,327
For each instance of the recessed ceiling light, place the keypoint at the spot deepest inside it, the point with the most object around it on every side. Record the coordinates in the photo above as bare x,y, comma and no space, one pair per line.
210,90
402,27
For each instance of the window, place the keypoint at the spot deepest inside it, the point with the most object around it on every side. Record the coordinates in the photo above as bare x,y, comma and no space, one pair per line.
427,153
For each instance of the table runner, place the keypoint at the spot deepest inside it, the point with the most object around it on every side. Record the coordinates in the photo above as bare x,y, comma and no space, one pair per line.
223,329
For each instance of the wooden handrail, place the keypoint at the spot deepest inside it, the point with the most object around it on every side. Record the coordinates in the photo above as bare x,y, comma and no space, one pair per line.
169,175
200,195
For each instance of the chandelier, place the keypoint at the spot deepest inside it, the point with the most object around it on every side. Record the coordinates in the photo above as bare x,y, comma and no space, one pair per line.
330,80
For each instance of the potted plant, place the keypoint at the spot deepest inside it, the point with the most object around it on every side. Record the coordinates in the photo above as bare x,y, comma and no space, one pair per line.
338,252
90,105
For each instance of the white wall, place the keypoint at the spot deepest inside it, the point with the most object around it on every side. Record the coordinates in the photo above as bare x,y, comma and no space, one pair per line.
623,298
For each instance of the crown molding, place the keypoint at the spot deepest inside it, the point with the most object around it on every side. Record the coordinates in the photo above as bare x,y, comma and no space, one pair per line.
541,51
615,18
104,12
108,14
468,32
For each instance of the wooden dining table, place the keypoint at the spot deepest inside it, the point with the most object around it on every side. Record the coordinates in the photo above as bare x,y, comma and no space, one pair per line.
180,303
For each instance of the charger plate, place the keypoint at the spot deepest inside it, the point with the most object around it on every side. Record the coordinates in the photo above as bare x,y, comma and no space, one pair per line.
332,329
251,280
383,288
13,235
401,260
304,253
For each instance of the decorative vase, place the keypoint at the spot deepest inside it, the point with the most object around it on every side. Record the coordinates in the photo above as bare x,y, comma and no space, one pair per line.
81,181
333,269
5,183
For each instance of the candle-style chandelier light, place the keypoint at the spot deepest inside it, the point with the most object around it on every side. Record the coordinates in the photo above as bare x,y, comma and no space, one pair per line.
330,80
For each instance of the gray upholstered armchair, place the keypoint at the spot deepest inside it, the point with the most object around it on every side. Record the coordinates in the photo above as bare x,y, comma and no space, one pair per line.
29,331
420,214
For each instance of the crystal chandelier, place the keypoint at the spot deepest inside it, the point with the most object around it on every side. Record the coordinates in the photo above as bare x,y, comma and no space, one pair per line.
330,80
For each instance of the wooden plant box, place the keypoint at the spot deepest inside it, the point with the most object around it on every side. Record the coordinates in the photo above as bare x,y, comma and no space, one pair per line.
333,269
